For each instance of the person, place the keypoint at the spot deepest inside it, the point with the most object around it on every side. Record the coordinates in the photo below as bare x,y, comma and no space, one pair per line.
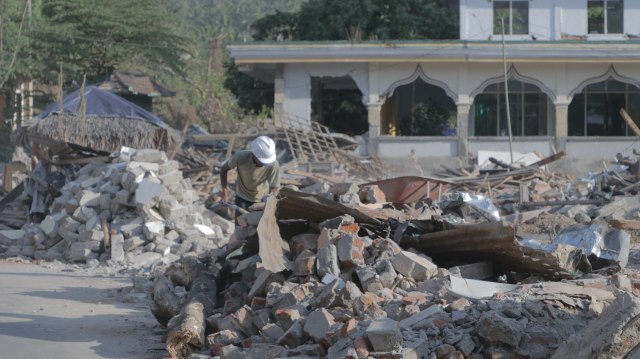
258,173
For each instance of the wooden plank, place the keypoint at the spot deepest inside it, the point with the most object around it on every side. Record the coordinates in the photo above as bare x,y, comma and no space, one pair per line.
625,224
632,125
15,193
80,161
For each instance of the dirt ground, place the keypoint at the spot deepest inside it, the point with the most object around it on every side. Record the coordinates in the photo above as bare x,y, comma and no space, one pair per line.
55,310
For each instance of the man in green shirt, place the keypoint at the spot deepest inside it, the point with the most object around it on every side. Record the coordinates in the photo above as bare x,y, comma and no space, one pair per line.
258,172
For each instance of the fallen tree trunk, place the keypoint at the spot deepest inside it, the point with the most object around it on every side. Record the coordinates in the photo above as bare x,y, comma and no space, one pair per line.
188,327
165,304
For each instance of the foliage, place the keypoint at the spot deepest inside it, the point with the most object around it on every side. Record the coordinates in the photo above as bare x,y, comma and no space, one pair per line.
343,112
96,37
376,19
429,118
253,95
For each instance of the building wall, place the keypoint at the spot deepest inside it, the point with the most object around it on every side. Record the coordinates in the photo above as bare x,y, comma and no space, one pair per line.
548,20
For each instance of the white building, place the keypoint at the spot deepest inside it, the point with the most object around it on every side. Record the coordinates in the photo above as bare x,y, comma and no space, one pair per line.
572,65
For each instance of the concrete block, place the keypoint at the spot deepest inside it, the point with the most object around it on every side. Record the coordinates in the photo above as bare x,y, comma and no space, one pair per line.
123,197
130,179
294,336
369,279
172,210
386,274
325,296
83,214
143,260
148,192
327,261
170,178
49,226
350,250
153,229
244,318
288,316
10,236
145,166
348,295
172,236
496,329
367,306
224,337
272,332
88,198
86,236
133,228
149,155
91,182
168,166
117,248
414,266
81,251
133,243
317,324
93,223
226,225
385,335
420,317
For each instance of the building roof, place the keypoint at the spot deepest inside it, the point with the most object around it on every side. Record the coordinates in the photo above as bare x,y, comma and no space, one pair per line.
135,84
101,103
436,51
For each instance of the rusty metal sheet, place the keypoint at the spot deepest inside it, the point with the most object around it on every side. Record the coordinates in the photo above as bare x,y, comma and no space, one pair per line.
409,189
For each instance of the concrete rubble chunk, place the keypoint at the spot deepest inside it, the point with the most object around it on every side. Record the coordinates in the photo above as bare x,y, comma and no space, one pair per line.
496,329
171,178
384,335
117,248
350,249
371,194
414,266
145,166
318,323
49,226
88,198
294,336
149,155
327,261
153,229
148,192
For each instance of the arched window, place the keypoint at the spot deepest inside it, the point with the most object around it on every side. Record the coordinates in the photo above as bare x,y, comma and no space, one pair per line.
530,110
596,110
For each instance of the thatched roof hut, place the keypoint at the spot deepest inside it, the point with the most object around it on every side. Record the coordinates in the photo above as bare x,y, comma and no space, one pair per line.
102,121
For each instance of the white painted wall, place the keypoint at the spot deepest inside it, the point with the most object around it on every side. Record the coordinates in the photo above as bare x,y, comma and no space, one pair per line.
522,145
597,149
297,84
548,19
402,147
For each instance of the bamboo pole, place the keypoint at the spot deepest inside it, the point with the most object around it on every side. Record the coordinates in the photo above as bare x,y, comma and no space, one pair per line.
506,92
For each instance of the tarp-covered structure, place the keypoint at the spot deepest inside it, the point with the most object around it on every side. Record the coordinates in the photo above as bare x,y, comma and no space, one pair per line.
101,121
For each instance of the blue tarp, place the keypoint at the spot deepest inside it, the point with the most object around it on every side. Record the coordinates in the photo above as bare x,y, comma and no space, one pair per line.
104,104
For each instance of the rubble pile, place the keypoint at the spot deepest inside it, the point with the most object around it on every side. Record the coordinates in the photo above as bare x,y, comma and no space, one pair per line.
329,281
134,211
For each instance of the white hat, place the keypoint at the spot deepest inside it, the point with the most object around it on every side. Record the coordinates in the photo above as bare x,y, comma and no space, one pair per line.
264,149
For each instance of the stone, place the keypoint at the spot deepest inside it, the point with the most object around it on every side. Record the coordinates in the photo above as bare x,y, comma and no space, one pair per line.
327,261
81,251
117,248
153,229
319,188
224,337
339,189
171,178
466,345
350,250
305,241
49,226
348,295
84,214
122,197
318,323
286,317
11,236
86,236
496,329
149,155
244,318
143,260
384,335
88,198
420,317
326,295
386,274
145,166
168,166
148,192
133,243
369,279
272,332
294,336
367,305
414,266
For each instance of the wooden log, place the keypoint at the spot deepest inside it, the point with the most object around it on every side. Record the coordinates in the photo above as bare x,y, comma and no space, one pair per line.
632,125
625,224
186,329
165,304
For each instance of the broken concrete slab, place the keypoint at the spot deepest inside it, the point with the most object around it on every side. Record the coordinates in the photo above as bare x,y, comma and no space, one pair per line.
384,335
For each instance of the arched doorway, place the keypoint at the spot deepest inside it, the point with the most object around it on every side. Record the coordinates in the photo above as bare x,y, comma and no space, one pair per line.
596,110
336,102
530,108
419,109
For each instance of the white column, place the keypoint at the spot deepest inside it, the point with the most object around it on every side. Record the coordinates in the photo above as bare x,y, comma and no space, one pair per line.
462,129
562,125
373,114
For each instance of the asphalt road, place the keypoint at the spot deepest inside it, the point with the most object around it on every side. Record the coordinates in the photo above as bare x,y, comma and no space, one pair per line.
62,312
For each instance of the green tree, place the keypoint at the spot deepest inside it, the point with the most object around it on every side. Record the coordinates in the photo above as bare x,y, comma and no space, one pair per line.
95,38
428,118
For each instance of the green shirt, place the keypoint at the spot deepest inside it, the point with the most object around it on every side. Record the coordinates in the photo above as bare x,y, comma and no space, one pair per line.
253,182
